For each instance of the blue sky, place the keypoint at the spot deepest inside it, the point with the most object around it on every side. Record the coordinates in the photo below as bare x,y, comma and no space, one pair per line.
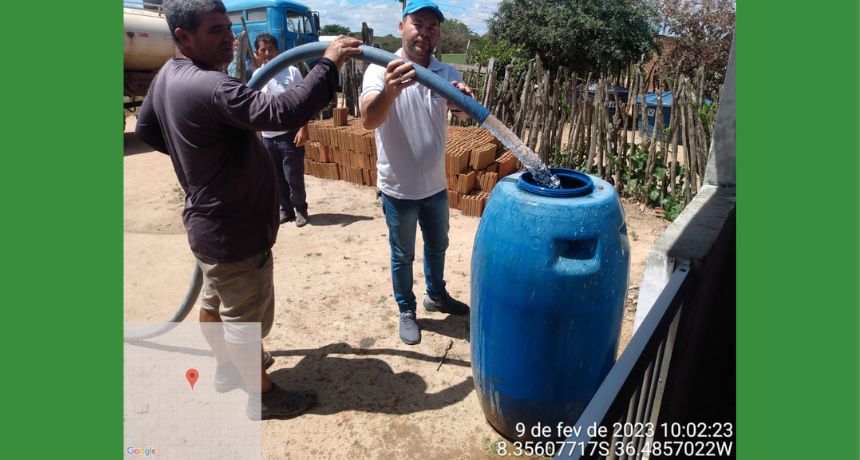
383,15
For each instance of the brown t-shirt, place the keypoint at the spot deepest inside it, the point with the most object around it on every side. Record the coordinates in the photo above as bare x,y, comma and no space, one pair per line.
207,122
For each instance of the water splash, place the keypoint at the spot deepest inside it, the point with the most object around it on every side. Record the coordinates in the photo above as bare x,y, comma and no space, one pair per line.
532,162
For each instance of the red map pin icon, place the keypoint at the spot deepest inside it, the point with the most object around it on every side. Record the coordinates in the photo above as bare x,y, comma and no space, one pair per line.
192,375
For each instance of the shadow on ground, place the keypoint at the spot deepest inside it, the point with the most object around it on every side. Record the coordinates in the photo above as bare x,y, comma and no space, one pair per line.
361,382
365,383
326,219
451,326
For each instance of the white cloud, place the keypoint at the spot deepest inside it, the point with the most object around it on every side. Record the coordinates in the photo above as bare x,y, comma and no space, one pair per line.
380,15
383,15
474,14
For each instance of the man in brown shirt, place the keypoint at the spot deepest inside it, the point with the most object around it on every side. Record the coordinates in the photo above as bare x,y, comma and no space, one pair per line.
207,122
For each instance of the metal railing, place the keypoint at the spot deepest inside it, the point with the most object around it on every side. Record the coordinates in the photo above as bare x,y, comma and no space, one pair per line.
623,412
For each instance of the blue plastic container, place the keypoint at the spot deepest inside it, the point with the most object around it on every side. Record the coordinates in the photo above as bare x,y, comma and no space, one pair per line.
549,281
651,112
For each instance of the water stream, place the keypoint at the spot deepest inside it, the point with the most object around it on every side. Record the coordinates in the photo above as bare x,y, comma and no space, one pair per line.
529,159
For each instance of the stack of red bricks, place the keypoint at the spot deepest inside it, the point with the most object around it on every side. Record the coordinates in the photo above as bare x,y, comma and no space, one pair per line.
341,152
474,160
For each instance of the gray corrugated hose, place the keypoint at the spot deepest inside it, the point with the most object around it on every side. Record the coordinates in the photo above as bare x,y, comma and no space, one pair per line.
301,53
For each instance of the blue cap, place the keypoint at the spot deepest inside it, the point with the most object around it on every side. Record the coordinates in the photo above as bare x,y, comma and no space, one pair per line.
415,5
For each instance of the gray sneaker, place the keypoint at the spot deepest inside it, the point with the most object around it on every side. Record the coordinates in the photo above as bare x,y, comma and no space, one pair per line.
302,219
410,333
446,304
279,403
285,217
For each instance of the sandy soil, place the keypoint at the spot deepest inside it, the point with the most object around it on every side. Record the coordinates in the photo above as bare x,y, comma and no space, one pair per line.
336,323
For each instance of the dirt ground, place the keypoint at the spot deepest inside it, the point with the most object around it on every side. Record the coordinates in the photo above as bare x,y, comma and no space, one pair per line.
336,320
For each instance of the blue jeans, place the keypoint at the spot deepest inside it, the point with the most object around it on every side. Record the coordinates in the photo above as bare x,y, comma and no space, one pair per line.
290,166
401,216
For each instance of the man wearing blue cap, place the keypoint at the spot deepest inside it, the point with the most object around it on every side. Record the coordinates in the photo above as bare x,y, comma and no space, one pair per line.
411,129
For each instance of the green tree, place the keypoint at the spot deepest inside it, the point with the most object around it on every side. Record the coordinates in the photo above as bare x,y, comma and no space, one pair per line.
388,42
455,36
503,52
700,32
334,29
582,35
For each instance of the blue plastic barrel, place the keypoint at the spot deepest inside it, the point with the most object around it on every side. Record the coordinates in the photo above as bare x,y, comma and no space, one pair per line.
549,281
609,99
651,112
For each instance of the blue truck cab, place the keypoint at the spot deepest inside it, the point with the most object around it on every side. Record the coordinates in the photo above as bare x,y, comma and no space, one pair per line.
292,23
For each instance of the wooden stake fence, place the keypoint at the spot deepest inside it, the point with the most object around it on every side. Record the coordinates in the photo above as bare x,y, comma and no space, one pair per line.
583,122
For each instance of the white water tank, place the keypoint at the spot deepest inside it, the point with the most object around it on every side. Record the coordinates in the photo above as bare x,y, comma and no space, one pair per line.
148,43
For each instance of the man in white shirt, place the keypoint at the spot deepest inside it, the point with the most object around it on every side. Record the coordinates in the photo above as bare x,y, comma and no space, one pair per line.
411,128
286,147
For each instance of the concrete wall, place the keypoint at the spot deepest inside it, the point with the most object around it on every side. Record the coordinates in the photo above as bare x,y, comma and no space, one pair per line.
692,235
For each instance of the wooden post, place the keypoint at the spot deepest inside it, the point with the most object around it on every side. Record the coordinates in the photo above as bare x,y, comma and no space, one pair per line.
652,148
519,120
501,101
634,107
560,118
349,86
574,118
674,124
479,90
580,107
600,125
686,140
644,110
592,144
243,51
620,113
604,164
366,34
585,132
469,51
513,101
537,109
548,118
700,130
692,147
664,142
490,83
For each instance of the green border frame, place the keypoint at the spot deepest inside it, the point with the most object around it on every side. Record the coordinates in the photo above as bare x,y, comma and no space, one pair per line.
797,250
797,306
62,191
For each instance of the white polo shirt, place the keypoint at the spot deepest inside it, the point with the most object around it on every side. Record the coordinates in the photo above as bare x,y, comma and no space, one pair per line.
277,85
410,143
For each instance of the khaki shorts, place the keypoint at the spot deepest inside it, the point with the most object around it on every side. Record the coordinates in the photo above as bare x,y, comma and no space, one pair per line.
240,292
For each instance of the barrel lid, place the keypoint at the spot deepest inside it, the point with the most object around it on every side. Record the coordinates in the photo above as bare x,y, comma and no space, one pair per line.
573,183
